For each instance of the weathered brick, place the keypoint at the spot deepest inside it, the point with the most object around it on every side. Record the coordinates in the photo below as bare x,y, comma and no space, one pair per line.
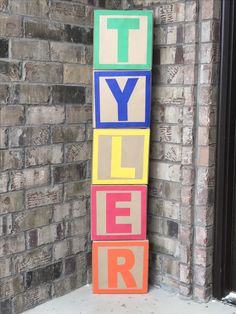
32,239
64,52
165,171
4,93
62,249
189,54
166,133
44,72
11,159
27,136
164,245
171,191
11,202
170,266
32,7
32,259
191,10
78,151
117,4
68,133
30,50
11,115
69,283
10,26
202,294
3,137
31,298
12,245
185,273
67,13
79,226
202,275
155,224
43,196
172,228
31,94
168,95
190,33
5,268
6,306
77,74
77,34
89,55
5,225
171,209
69,173
32,219
45,115
43,155
210,31
209,74
203,256
44,30
80,207
3,48
211,9
3,5
70,265
47,234
79,114
11,286
169,13
4,179
10,71
28,178
43,275
68,94
204,236
79,244
61,212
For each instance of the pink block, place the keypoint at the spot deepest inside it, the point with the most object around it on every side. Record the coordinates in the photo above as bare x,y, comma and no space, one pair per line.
118,212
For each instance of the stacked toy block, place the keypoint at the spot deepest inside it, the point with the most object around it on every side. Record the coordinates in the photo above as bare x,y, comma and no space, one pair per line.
121,121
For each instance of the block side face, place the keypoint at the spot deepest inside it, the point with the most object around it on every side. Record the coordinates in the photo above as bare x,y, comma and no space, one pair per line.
135,255
113,160
108,220
122,99
123,39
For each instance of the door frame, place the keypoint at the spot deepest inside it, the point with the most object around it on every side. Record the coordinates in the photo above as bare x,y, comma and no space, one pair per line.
225,178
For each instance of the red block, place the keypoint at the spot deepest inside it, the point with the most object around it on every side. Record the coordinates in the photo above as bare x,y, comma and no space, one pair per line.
118,212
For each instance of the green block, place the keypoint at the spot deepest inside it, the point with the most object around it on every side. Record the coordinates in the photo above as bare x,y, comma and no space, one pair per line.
123,39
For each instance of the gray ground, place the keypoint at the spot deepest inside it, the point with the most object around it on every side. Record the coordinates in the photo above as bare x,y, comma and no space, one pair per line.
157,301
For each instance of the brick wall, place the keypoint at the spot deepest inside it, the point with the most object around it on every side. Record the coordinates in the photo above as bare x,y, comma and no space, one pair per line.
45,148
184,101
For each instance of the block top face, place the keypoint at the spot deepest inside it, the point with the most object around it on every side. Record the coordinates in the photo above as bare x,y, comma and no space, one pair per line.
123,39
122,99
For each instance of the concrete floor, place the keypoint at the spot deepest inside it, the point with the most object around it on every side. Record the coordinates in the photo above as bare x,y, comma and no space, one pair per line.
157,301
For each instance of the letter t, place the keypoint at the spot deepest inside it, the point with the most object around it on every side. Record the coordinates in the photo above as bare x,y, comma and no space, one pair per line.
123,25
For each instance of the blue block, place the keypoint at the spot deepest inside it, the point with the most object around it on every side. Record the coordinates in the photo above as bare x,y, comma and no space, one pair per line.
122,99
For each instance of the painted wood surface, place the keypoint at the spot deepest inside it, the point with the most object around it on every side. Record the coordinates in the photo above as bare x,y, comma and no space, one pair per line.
122,99
118,212
120,266
123,39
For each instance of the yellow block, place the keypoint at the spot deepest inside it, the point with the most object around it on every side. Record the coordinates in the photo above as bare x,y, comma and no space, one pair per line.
120,156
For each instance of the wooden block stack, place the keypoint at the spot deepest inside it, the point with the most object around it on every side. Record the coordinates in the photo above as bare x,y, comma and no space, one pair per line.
121,120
